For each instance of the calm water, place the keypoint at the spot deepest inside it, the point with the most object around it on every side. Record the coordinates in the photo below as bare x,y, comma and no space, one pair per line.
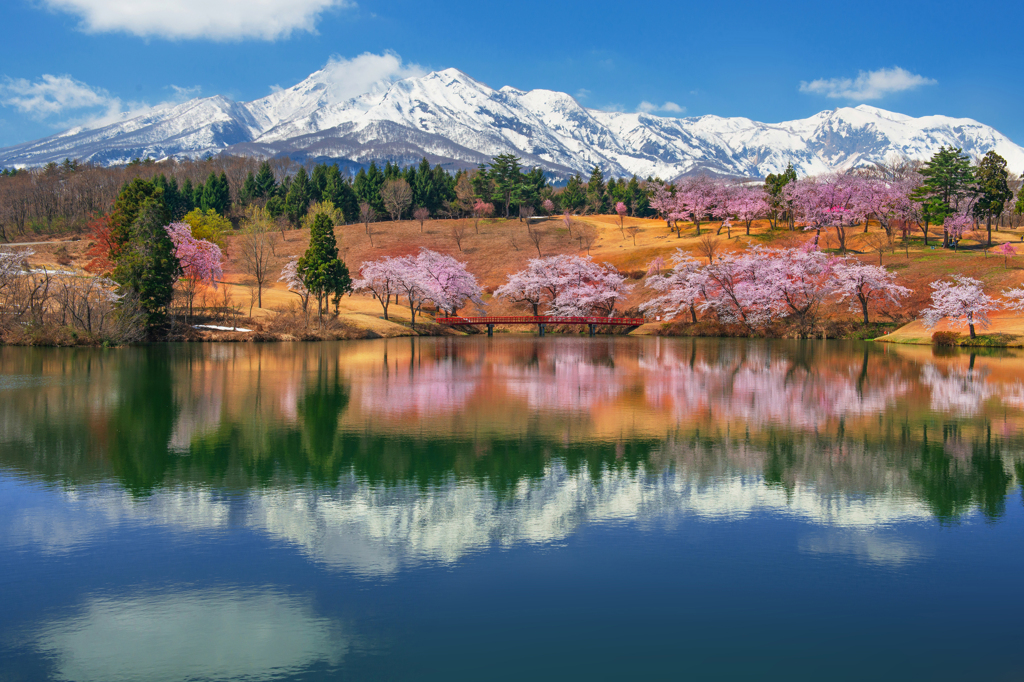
510,508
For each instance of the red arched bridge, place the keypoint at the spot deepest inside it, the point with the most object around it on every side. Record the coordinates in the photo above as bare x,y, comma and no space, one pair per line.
541,321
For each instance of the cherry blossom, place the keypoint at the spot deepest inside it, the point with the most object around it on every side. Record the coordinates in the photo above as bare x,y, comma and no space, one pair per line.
681,291
379,278
200,260
568,285
962,302
862,284
446,282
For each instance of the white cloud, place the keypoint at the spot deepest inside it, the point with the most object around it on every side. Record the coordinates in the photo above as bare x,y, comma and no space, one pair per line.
582,94
348,78
74,103
867,85
51,95
668,107
213,19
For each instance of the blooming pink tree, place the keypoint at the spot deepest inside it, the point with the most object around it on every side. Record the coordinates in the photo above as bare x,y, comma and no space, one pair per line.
620,208
380,278
956,226
200,261
749,204
568,285
888,201
695,197
586,288
481,209
548,206
664,202
962,302
1006,250
725,206
292,280
827,202
863,284
447,282
656,266
745,288
680,291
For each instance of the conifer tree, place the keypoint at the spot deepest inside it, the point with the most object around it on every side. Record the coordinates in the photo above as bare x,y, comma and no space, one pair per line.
320,269
948,186
573,196
596,191
297,200
994,189
265,182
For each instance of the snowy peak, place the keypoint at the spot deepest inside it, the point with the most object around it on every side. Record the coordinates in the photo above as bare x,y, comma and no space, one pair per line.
352,116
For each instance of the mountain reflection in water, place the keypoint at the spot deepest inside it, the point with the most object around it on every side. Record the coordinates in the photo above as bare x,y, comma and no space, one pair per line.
371,456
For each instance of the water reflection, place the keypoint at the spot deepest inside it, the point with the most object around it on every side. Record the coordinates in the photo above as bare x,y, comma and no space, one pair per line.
190,634
371,456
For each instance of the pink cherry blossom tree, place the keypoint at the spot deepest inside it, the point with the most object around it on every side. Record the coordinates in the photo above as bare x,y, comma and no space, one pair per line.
745,288
447,282
664,202
587,288
292,280
682,291
725,206
548,206
749,205
621,210
888,201
200,261
656,266
379,278
863,284
695,197
827,202
956,226
481,209
961,302
1006,250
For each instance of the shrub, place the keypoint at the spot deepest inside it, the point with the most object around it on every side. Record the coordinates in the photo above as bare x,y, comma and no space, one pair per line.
946,339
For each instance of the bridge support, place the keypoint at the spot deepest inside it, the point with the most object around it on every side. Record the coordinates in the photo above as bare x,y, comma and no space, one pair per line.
540,329
490,330
593,329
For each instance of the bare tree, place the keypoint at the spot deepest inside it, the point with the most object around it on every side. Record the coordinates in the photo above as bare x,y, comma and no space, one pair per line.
587,234
633,230
256,251
458,232
707,246
397,196
525,213
421,214
513,241
367,215
536,236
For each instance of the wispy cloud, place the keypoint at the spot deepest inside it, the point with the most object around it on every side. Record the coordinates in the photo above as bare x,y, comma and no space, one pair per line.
63,101
582,94
867,84
668,108
190,19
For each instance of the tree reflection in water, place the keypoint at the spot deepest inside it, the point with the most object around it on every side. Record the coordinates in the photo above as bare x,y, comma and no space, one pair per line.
501,421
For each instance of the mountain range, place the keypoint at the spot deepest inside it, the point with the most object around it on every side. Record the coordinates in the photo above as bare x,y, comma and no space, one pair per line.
452,119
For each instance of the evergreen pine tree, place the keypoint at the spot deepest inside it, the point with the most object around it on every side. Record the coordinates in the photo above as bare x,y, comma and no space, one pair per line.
573,196
318,182
994,189
320,269
948,185
265,182
298,197
248,191
506,175
596,191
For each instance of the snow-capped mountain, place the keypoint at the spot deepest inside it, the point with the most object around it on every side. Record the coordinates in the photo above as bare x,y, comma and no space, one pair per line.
452,119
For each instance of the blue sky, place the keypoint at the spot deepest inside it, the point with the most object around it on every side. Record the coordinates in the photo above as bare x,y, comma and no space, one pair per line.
71,61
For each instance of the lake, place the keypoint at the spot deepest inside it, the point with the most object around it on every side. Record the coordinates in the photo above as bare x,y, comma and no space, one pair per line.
509,508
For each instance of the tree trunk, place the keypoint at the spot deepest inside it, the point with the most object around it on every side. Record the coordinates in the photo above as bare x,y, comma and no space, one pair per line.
864,307
971,327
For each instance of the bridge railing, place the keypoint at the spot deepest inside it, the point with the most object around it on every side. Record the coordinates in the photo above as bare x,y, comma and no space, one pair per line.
543,319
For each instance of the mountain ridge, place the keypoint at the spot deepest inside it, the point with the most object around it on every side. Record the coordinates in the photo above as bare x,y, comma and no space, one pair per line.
450,118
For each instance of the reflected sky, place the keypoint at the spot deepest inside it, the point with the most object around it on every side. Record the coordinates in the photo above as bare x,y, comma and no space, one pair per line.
190,634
